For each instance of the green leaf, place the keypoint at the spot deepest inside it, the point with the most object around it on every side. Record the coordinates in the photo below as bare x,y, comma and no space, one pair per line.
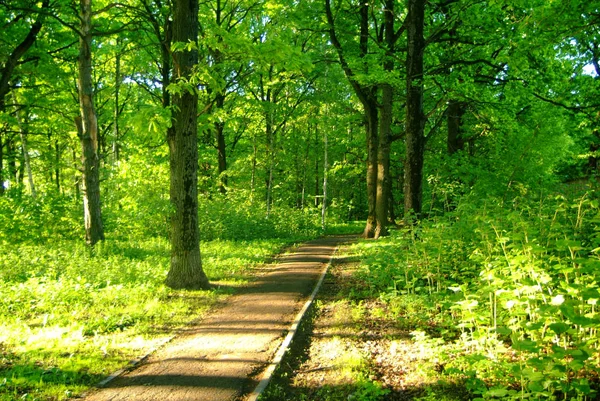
497,392
559,328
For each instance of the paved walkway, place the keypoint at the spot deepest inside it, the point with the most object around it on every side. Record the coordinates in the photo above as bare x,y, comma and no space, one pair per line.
217,358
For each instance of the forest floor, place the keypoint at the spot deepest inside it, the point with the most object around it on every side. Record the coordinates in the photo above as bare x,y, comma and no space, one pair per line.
353,348
221,357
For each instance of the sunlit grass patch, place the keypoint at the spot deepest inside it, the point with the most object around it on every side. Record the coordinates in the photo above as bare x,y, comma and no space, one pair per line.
70,315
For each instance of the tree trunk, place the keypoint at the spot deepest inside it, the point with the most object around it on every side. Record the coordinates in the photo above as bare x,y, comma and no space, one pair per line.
367,97
304,170
116,131
372,150
270,162
186,265
23,130
253,174
221,146
11,156
57,165
87,127
383,163
317,181
325,167
456,110
76,177
383,152
415,118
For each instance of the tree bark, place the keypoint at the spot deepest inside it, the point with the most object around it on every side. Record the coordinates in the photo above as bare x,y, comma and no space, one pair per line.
13,59
11,158
456,142
383,163
325,167
221,146
87,127
270,159
372,169
317,181
116,127
385,126
415,118
57,165
367,97
23,130
186,265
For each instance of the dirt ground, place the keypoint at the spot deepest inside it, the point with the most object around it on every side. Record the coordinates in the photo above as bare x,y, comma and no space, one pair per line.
220,357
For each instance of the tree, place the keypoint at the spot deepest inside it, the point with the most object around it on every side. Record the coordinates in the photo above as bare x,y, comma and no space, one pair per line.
11,63
87,128
186,264
415,117
367,94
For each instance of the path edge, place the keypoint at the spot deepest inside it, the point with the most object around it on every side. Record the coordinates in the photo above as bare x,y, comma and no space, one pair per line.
268,373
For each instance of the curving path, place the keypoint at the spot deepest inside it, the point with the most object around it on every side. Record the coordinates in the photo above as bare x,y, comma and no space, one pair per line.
220,357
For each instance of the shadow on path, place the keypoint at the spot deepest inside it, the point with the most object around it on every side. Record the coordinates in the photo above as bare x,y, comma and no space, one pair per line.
215,359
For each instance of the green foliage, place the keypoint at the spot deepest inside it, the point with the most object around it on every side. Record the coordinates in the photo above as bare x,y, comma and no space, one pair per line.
70,315
509,293
51,216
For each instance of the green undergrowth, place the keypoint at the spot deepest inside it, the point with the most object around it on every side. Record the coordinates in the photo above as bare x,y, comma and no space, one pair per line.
346,228
70,316
502,295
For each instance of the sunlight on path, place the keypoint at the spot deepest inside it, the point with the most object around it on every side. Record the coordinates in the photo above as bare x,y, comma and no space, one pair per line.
217,358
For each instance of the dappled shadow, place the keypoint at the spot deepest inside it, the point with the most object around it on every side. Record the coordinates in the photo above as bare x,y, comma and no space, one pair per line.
212,359
342,392
20,379
166,380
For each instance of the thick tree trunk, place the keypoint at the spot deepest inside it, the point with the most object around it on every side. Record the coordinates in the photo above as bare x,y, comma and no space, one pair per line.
456,110
87,127
415,118
186,265
372,150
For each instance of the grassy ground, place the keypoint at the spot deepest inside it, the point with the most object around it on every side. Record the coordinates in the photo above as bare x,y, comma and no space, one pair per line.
70,317
355,347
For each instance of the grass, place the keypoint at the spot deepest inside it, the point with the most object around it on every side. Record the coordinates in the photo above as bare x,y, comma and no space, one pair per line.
70,316
356,346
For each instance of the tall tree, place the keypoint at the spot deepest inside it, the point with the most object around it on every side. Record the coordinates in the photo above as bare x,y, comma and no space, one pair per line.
186,264
14,57
87,128
367,94
415,117
385,125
